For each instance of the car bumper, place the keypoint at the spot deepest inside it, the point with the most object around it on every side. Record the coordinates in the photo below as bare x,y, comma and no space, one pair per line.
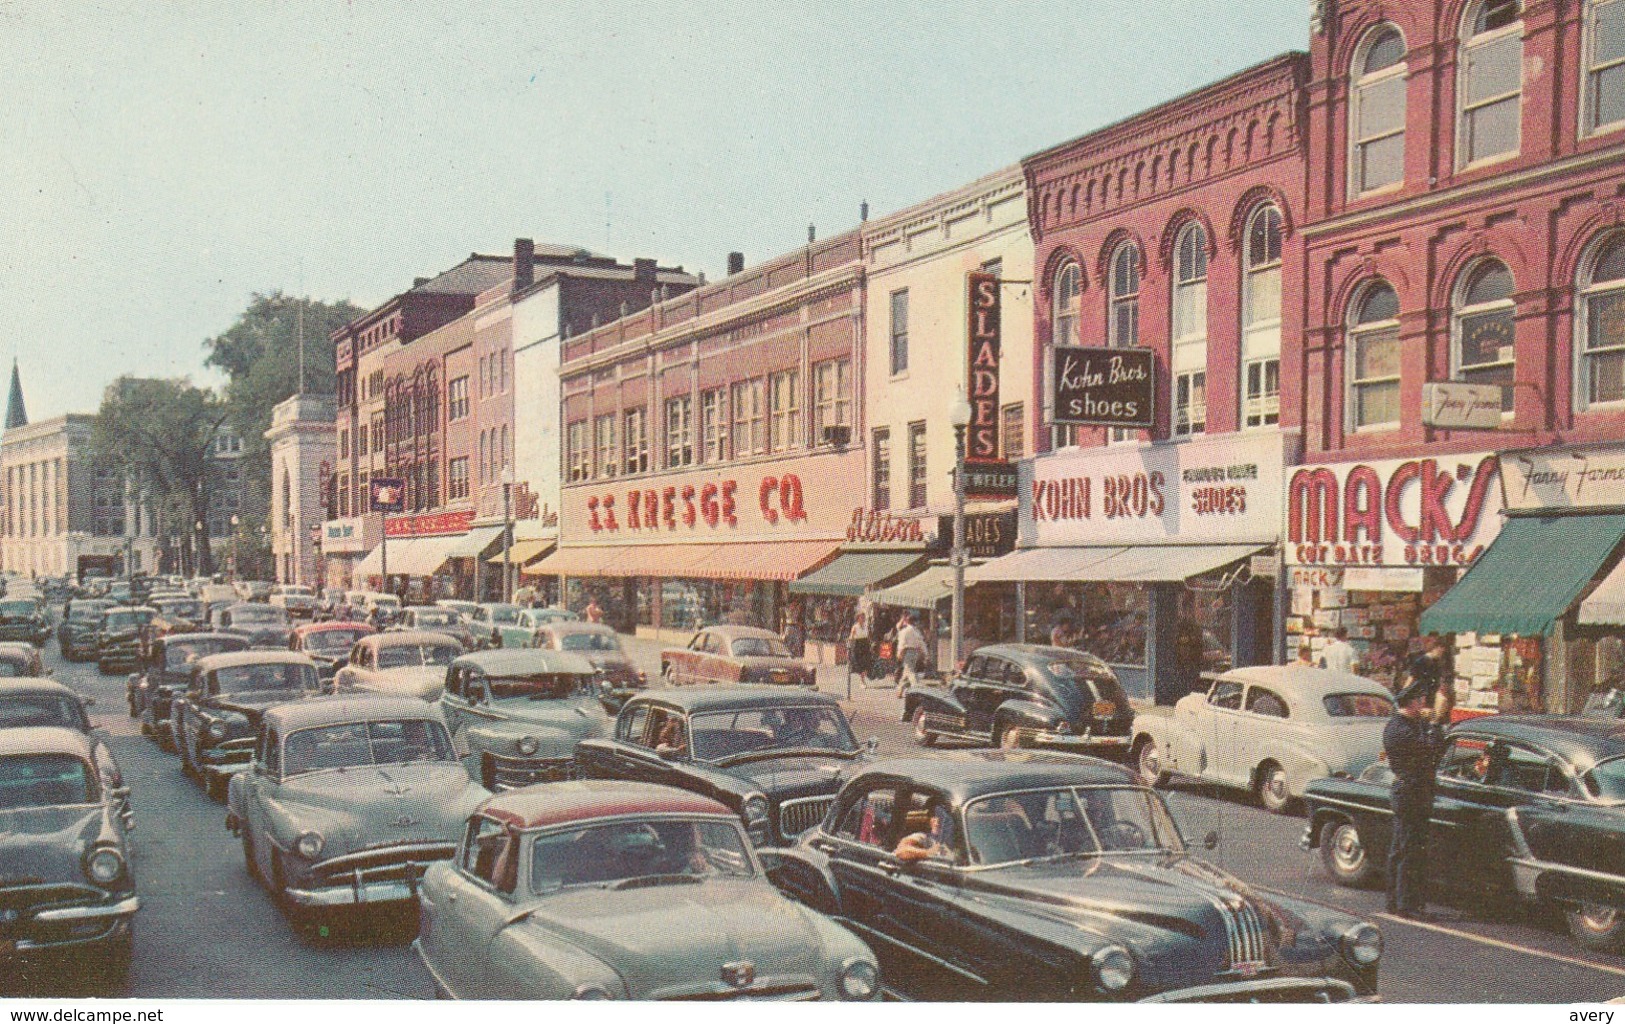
35,930
368,883
518,772
1076,741
1268,990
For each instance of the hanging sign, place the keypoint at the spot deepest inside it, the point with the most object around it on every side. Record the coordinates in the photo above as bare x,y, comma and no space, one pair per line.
982,435
388,493
1113,387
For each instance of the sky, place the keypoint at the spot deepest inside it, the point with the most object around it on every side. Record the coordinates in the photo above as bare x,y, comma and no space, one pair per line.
161,162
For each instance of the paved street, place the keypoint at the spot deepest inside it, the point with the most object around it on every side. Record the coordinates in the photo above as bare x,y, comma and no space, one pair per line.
205,930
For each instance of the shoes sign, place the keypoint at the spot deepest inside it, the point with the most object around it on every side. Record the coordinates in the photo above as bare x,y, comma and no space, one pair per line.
1111,387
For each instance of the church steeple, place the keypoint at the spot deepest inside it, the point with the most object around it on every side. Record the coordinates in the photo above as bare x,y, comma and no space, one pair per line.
16,413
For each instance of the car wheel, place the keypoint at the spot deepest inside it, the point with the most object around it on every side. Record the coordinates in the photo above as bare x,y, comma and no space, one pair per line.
1343,851
1148,762
668,674
1597,927
1010,738
923,736
249,860
1272,788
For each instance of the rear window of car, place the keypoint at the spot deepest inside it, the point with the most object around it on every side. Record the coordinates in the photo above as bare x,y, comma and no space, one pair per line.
124,620
590,642
1357,705
760,647
18,607
180,653
26,709
1096,682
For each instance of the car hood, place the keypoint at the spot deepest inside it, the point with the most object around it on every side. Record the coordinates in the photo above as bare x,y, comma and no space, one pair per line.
669,938
368,806
252,703
583,716
797,775
423,681
48,843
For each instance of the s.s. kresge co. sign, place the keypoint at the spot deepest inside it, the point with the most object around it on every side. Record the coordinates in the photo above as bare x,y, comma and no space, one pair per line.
1111,387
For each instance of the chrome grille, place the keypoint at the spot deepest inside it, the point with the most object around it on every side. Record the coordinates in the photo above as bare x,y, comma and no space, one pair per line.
797,816
518,772
381,862
32,895
791,992
1245,930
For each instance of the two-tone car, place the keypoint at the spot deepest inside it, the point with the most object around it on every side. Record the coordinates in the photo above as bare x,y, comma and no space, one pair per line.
348,800
491,616
735,654
166,672
264,625
76,633
37,701
65,883
599,644
1527,808
1020,876
776,756
120,637
23,619
520,713
1267,730
1027,695
520,631
614,890
215,721
21,659
328,644
400,664
433,619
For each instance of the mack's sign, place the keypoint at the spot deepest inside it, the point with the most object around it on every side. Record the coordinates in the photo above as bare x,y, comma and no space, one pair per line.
1413,512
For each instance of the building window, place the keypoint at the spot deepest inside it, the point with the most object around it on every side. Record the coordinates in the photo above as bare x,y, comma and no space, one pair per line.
344,495
605,457
1065,300
1491,84
916,465
636,439
899,331
578,451
1373,359
679,432
1482,329
881,499
502,370
1190,331
1601,324
832,392
784,424
1012,433
457,478
485,459
1261,320
749,418
457,399
377,432
507,448
1377,113
1123,329
714,425
1605,65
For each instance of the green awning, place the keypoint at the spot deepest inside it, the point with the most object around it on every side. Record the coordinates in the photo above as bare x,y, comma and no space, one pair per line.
854,572
1530,576
923,591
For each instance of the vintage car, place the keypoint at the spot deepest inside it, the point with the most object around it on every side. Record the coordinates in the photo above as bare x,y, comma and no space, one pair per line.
600,645
21,659
1040,875
775,756
254,591
65,889
76,633
520,631
521,713
23,619
735,654
349,799
38,701
1527,807
615,890
297,605
214,722
167,671
464,608
264,625
400,664
430,619
1605,704
1268,730
492,616
120,636
328,644
1026,695
379,609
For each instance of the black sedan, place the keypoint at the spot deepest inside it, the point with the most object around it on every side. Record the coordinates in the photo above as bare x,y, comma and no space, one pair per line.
166,671
216,721
774,755
264,625
23,619
76,633
1027,695
119,638
1528,807
1018,876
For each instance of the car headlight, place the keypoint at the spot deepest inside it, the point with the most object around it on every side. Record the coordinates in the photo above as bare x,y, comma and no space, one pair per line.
309,845
1114,968
1362,944
527,745
755,807
104,865
217,730
859,980
592,990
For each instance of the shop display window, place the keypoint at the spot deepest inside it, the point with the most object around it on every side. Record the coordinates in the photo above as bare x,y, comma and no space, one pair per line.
1109,619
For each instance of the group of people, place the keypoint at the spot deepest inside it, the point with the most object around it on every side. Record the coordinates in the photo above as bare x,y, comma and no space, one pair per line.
908,645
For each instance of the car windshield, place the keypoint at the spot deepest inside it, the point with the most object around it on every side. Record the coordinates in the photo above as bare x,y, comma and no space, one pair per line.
759,647
630,853
181,609
538,686
1092,678
1358,705
502,614
22,709
1607,781
417,655
361,744
18,607
267,676
44,780
434,617
128,620
1067,822
178,654
259,614
720,735
590,642
331,641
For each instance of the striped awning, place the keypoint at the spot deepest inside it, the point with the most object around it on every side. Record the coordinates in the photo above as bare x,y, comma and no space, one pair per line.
765,560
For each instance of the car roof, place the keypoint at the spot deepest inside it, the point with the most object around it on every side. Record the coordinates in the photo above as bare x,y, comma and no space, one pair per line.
233,659
517,660
1583,741
562,803
709,698
967,774
33,684
314,712
329,627
1304,681
405,637
1028,654
236,638
44,739
577,626
132,608
734,632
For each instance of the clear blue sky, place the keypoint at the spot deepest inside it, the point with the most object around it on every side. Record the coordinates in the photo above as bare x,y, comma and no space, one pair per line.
162,161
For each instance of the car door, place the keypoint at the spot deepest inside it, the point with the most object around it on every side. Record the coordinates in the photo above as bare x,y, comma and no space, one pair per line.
258,787
621,756
860,850
1469,835
465,909
454,703
1218,734
1264,717
977,690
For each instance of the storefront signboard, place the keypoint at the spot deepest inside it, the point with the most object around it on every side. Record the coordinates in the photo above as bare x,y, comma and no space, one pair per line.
982,363
388,493
433,524
344,536
1571,478
1113,387
1452,405
991,481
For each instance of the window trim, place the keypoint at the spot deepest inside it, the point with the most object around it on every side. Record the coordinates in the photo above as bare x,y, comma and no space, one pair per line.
880,496
1585,289
1459,312
894,334
1467,44
1072,315
1249,274
1352,328
1360,80
1588,69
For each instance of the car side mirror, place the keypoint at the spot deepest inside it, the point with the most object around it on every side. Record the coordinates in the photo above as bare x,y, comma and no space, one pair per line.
1211,840
871,744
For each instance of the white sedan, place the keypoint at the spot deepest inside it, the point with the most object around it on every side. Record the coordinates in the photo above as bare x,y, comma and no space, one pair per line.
404,664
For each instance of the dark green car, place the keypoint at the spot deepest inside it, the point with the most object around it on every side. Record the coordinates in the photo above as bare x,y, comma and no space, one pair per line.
22,619
77,633
118,641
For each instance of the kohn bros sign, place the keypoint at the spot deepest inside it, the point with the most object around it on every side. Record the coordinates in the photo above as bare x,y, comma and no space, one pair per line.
1413,512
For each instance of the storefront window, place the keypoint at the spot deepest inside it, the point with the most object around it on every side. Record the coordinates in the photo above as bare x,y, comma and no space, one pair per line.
1109,619
827,619
1203,633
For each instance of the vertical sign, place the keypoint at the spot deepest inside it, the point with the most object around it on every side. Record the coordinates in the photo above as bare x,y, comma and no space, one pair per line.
982,436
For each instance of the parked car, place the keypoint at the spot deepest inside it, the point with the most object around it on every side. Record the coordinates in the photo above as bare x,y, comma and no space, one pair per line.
176,614
350,799
27,702
734,654
68,892
491,617
380,609
1036,875
24,619
600,645
76,633
330,601
400,664
1268,730
464,608
1027,695
520,630
264,625
614,890
521,713
328,644
1527,808
119,638
298,606
432,619
775,756
254,591
21,659
167,670
214,723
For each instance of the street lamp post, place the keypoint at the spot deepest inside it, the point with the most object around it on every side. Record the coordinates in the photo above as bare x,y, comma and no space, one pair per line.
236,552
507,536
959,415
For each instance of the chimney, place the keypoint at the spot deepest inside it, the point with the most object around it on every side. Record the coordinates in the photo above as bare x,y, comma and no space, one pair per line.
524,263
643,270
812,234
863,210
419,282
736,263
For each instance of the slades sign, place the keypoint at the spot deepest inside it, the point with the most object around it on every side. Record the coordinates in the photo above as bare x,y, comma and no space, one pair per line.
1112,387
982,332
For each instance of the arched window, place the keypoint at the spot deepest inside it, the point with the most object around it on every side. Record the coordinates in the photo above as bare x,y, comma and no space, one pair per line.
1123,302
1065,298
1373,359
1261,319
1377,112
1482,329
1491,86
1190,331
1601,324
1604,65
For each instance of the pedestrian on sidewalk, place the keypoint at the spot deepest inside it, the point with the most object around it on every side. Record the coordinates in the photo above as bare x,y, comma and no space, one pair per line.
910,651
593,613
1340,655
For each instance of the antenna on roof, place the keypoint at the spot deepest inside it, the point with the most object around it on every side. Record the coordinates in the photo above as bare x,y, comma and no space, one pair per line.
299,327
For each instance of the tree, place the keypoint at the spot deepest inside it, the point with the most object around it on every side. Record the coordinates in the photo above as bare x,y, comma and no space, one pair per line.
158,434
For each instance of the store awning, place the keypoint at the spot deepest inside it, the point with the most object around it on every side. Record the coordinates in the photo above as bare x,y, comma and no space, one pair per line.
1606,605
923,591
420,556
370,565
789,560
473,543
570,561
756,561
1530,576
522,552
854,572
1149,563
